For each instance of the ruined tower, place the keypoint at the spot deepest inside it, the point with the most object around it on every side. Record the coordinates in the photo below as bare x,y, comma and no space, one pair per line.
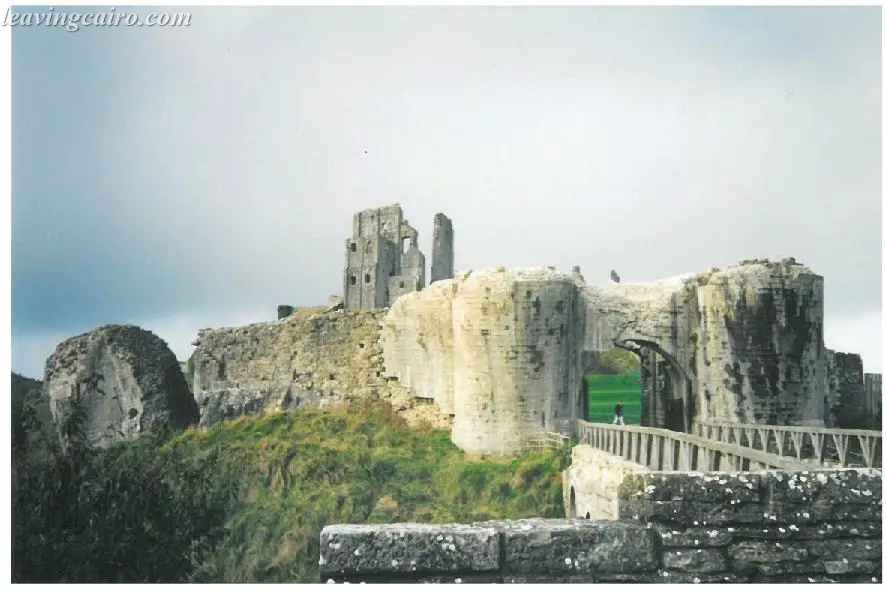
442,256
383,259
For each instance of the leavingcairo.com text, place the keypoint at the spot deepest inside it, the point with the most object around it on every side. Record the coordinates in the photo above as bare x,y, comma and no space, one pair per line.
108,17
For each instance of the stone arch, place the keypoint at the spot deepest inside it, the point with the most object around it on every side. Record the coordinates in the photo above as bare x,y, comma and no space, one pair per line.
668,387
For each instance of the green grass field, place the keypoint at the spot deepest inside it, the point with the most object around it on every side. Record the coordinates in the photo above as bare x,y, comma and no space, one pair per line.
604,391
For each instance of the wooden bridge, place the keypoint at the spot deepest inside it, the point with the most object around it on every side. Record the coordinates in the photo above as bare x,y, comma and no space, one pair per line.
729,446
833,447
667,450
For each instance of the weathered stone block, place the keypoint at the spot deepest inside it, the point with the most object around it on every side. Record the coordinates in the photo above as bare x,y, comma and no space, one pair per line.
695,560
705,487
826,486
777,570
773,532
765,552
851,549
857,512
414,549
801,514
549,578
667,577
852,529
845,566
689,514
573,547
695,537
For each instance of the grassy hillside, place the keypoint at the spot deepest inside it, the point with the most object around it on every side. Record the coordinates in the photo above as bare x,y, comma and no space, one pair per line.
604,391
244,501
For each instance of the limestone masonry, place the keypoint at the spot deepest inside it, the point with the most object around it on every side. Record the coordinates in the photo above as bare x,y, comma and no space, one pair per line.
797,525
313,357
499,354
125,380
383,259
814,526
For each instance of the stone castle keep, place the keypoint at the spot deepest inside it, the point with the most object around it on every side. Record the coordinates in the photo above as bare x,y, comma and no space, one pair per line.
384,261
498,355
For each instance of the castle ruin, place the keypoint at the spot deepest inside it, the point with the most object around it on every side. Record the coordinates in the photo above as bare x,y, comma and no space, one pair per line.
498,355
383,260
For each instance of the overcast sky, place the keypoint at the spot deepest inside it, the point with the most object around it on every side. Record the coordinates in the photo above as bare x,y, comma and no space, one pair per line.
182,178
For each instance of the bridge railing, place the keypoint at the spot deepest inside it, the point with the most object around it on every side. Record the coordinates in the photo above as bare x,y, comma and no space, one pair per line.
537,439
666,450
821,446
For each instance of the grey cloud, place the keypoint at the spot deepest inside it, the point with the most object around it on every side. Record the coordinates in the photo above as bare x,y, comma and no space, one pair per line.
214,169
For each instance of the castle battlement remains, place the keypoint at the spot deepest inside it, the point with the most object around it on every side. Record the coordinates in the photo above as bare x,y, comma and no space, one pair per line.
383,260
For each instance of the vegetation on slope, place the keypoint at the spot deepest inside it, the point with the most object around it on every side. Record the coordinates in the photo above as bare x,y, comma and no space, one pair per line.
244,501
31,417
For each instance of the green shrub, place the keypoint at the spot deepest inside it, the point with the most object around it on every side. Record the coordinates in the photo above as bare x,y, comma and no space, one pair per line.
244,501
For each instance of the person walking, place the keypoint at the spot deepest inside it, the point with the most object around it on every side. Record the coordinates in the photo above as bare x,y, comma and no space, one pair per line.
619,418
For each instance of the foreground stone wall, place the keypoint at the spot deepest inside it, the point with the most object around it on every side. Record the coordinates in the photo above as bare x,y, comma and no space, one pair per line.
590,485
314,357
815,526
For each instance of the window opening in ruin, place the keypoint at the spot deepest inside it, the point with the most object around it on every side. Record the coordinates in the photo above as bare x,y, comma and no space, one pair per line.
402,284
367,278
407,243
353,280
353,246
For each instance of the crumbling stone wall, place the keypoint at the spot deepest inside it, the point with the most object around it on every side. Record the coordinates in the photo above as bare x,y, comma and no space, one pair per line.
742,344
417,340
314,357
761,347
873,387
383,260
502,352
845,402
816,526
122,381
443,253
